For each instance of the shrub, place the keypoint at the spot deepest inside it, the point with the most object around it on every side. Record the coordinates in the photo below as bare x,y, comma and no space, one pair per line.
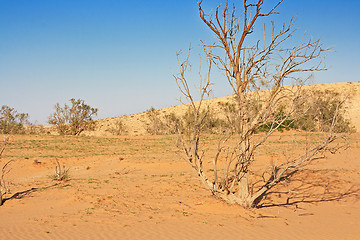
230,111
74,119
34,128
314,112
118,128
156,126
172,123
61,173
211,123
12,122
322,107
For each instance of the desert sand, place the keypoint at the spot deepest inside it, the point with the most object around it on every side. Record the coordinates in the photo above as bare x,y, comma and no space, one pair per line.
137,187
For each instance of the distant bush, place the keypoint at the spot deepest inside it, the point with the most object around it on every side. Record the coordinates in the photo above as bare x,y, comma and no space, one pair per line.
211,122
156,125
74,119
321,109
118,128
34,128
315,113
172,123
12,122
231,114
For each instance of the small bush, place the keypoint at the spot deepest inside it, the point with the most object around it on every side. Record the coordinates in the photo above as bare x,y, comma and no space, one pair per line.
315,113
156,126
211,123
172,123
232,116
33,128
12,122
74,119
118,129
61,173
322,109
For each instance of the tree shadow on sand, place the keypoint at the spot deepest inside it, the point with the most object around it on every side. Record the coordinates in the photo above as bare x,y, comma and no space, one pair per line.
22,194
313,186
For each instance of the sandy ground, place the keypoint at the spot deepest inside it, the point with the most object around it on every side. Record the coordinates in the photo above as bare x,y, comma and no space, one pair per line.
137,187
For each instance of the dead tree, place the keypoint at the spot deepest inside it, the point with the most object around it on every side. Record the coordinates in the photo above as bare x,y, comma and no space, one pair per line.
256,72
4,170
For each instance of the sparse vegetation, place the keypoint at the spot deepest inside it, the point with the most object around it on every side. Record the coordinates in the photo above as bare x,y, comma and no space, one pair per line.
322,107
74,119
211,122
34,129
172,123
313,113
124,181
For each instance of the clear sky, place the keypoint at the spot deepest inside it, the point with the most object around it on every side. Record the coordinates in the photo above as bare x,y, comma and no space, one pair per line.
119,56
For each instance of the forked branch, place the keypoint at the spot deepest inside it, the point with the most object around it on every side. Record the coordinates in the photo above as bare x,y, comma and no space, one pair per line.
4,170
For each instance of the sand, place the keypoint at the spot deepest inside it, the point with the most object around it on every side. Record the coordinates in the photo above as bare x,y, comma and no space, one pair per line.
138,188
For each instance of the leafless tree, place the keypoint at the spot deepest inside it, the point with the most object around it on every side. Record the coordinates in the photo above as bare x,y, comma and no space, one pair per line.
4,170
256,72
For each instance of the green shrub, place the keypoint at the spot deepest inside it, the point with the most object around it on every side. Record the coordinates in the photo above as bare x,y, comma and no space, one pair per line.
172,123
321,109
74,119
12,122
314,112
211,123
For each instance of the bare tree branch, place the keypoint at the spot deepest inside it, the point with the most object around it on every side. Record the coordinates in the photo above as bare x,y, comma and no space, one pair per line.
256,72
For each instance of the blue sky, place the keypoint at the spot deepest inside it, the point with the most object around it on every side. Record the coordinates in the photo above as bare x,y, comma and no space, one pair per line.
119,56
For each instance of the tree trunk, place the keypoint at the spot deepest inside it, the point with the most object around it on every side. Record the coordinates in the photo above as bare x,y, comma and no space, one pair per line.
244,187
